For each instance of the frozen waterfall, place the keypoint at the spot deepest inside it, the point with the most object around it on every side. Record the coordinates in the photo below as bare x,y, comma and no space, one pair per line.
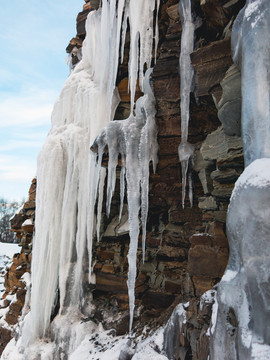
69,177
65,206
241,329
185,149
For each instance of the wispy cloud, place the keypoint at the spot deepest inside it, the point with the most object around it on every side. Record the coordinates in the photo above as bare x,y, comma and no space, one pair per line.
32,109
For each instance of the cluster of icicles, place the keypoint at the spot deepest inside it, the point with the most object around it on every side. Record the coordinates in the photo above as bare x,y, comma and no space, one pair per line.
70,177
135,139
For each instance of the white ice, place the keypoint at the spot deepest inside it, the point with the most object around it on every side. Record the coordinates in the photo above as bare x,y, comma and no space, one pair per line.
135,139
251,51
65,176
186,150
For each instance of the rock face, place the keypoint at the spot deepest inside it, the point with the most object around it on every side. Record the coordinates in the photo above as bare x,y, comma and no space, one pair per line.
187,249
22,225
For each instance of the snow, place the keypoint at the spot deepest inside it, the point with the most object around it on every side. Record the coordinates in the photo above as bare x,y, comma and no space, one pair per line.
93,342
27,222
186,150
207,298
256,175
260,352
229,275
9,249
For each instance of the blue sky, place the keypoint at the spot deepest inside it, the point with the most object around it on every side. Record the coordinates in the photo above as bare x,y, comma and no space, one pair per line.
33,37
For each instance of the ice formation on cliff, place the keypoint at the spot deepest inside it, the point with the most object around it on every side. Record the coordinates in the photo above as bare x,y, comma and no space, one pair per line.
67,173
135,139
240,328
185,149
250,50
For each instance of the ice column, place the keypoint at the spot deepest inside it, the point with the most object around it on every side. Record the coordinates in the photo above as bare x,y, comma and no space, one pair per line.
66,176
250,50
185,150
242,329
142,34
135,139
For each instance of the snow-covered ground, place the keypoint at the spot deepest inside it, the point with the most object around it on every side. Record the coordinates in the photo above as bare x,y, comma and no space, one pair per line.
6,254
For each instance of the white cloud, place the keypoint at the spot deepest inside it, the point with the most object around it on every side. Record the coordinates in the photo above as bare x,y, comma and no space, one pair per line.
14,168
33,109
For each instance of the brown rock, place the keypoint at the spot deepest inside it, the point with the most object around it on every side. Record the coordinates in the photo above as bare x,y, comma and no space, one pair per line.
104,254
157,300
81,19
108,269
173,287
124,90
172,253
111,283
202,284
5,337
30,204
173,12
211,63
215,14
168,89
14,312
201,239
207,261
181,216
75,42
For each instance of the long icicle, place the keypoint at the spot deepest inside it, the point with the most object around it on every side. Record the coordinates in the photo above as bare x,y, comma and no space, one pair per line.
185,150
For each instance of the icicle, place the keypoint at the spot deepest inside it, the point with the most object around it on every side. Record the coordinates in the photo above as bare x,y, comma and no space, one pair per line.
185,149
100,200
156,31
122,187
141,32
135,139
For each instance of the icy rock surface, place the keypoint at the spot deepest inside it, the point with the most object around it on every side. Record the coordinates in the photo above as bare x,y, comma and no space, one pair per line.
172,332
135,139
240,323
186,150
243,301
251,52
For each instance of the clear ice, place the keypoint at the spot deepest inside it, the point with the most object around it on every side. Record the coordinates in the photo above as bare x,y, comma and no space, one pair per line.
135,139
240,328
186,150
70,178
250,51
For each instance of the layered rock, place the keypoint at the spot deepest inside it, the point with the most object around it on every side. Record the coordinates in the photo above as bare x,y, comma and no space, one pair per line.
15,279
187,250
